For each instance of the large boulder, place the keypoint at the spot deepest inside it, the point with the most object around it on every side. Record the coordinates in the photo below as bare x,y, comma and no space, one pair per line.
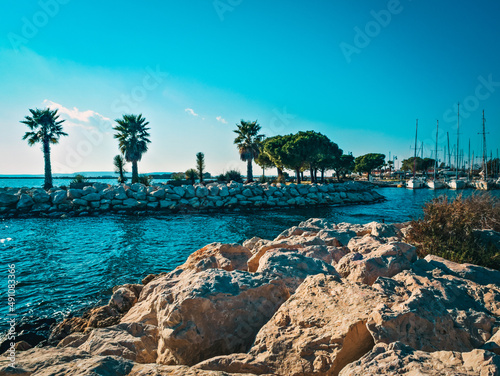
436,310
218,256
385,261
205,314
40,196
319,330
399,359
7,199
25,202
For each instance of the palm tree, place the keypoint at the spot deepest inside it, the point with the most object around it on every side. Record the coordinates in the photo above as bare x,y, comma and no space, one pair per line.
44,129
200,165
119,163
133,140
248,142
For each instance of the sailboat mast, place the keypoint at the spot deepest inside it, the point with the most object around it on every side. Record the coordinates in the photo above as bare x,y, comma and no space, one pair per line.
469,161
485,166
415,151
458,139
449,151
436,152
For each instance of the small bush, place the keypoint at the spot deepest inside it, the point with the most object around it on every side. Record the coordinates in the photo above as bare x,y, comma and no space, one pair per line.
79,179
145,179
234,175
447,229
263,179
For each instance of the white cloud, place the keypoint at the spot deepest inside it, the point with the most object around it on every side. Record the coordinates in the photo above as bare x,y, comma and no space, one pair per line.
190,111
88,119
221,120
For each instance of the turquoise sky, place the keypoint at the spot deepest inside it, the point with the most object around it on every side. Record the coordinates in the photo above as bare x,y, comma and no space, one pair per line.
360,72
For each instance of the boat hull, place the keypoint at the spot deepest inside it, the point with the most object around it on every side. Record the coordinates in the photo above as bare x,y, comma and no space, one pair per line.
414,184
457,184
435,184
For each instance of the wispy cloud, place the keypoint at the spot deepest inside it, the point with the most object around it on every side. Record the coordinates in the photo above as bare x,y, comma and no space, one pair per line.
190,111
88,119
220,119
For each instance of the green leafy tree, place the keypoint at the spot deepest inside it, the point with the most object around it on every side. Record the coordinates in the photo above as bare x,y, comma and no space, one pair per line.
133,139
200,165
119,163
369,162
191,175
273,148
344,166
263,159
297,153
46,129
248,142
325,157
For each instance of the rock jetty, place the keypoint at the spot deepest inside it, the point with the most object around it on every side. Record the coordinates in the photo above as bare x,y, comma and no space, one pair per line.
322,298
100,197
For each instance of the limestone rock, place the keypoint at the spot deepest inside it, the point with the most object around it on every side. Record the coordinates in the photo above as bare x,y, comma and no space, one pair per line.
58,197
25,202
364,244
385,261
40,196
319,330
205,314
399,359
218,256
384,230
134,341
123,298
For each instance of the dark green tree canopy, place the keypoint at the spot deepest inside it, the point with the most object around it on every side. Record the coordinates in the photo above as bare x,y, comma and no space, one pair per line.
421,164
369,162
44,127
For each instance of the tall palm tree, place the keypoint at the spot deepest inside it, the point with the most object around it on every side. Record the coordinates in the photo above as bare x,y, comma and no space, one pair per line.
200,165
119,163
45,129
133,140
248,142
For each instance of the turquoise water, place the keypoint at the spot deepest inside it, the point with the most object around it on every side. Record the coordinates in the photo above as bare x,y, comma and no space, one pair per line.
64,266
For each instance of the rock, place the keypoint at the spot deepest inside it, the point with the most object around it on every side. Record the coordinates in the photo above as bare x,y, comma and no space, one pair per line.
364,244
292,268
159,194
92,197
79,202
136,342
120,193
319,330
180,191
493,344
336,238
74,193
88,190
386,261
435,310
255,243
40,196
130,202
25,202
99,187
399,359
201,191
123,299
293,242
189,191
58,197
218,256
66,361
67,327
383,230
488,238
40,207
141,196
138,187
224,191
213,190
22,346
189,309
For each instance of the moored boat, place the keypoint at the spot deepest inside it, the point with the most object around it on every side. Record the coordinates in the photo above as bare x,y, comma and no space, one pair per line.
414,183
457,184
435,184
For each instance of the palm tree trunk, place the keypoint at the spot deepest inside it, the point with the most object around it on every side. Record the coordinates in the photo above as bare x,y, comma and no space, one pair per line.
135,172
249,171
311,171
48,168
322,175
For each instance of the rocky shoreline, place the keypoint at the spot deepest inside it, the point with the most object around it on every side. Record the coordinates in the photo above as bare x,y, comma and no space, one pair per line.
319,299
103,198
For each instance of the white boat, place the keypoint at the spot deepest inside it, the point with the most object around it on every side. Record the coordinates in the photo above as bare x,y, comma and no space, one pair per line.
435,184
457,184
414,183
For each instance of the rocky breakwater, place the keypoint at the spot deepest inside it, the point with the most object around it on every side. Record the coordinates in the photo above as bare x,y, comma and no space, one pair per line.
166,198
320,299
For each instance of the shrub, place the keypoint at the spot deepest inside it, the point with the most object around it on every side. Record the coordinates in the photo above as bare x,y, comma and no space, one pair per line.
447,229
79,179
234,175
145,179
221,178
263,179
